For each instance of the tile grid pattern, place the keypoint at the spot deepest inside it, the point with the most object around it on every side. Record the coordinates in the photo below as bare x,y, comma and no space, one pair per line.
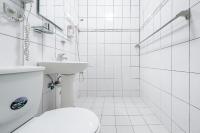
123,115
111,54
169,66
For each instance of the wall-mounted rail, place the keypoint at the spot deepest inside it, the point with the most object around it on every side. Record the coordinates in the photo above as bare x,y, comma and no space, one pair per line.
185,14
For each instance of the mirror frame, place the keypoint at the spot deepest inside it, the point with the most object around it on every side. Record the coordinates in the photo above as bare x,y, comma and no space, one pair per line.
38,12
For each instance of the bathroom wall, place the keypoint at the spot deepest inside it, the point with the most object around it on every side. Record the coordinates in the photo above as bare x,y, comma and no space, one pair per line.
43,46
109,31
170,63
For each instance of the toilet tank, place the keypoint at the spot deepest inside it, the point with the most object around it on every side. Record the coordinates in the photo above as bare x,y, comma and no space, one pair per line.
20,95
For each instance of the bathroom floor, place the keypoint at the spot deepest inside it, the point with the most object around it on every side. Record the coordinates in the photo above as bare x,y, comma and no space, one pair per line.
123,115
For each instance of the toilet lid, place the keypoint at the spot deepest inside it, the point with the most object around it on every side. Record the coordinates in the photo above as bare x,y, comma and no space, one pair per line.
66,120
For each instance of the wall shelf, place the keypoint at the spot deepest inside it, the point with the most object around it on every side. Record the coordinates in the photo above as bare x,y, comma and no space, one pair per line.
43,29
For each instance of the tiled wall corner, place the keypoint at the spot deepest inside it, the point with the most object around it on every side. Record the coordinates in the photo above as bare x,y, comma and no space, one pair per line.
169,63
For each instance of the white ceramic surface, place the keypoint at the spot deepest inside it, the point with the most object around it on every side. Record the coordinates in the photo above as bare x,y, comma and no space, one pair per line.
15,83
66,120
63,67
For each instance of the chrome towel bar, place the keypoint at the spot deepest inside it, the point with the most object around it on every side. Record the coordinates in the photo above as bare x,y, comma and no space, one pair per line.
185,14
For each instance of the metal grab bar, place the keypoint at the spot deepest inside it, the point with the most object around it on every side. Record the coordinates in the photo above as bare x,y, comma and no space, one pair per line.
185,13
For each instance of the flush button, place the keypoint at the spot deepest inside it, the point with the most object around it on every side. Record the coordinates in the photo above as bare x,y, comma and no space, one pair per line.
19,103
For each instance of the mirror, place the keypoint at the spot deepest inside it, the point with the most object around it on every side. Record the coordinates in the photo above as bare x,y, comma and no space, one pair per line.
52,12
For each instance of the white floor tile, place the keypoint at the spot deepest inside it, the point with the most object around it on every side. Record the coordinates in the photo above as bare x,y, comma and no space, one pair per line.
151,119
141,105
122,115
146,111
108,111
158,129
108,129
108,120
137,120
120,111
122,120
124,129
133,111
141,129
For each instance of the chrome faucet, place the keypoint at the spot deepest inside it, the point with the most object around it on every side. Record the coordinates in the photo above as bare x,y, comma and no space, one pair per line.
61,57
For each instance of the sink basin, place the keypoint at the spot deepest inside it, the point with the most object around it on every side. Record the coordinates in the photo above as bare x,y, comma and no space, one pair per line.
65,68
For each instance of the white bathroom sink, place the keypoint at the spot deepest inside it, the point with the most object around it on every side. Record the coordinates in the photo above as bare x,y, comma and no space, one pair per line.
63,67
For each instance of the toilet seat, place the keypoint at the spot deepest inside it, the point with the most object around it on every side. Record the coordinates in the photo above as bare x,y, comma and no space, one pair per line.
65,120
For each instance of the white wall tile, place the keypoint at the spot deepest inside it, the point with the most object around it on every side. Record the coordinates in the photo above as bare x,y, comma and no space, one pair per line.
91,2
180,85
166,103
83,11
92,23
194,120
165,59
180,114
194,54
10,58
48,54
92,12
91,84
194,89
180,57
165,81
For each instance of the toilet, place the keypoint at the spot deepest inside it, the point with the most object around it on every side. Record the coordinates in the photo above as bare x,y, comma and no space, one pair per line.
20,97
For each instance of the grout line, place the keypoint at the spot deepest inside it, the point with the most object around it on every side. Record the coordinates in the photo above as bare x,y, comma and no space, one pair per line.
87,44
139,48
114,102
102,108
153,68
129,116
189,69
113,65
122,83
104,43
96,50
130,33
171,97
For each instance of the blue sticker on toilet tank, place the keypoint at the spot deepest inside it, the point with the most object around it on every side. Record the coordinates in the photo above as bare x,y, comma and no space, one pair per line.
19,103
